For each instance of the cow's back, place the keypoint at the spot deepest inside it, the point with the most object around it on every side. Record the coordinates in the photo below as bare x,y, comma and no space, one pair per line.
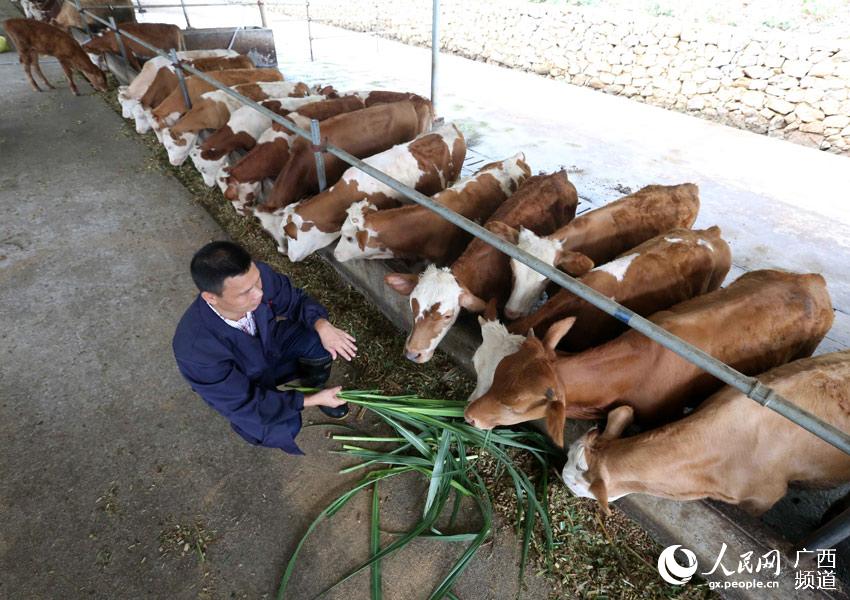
762,320
612,229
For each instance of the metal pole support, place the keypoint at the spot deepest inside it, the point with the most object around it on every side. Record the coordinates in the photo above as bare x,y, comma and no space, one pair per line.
120,41
83,16
262,8
435,52
830,535
309,31
185,14
181,79
139,7
317,153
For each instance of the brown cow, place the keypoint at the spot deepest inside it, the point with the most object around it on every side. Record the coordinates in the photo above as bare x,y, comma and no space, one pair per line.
161,35
730,449
361,133
542,204
426,164
602,234
419,232
659,273
762,320
667,269
32,38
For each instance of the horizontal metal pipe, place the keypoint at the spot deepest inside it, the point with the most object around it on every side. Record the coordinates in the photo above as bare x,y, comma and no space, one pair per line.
200,4
747,385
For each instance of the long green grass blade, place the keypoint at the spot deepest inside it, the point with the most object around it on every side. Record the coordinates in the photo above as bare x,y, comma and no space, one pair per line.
375,543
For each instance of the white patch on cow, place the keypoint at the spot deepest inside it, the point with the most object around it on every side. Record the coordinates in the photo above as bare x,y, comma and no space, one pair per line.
574,471
528,284
243,191
273,223
277,89
171,119
348,247
307,242
512,172
247,120
436,286
397,162
189,54
296,103
299,120
143,120
127,103
208,169
618,267
705,243
496,344
177,153
674,240
576,467
222,97
270,135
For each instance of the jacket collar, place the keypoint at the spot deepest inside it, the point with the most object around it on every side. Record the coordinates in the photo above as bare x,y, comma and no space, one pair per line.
263,315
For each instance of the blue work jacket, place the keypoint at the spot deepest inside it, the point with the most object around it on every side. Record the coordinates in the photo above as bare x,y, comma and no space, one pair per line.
235,372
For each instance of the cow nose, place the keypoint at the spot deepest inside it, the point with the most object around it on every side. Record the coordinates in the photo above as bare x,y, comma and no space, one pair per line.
414,356
469,420
512,314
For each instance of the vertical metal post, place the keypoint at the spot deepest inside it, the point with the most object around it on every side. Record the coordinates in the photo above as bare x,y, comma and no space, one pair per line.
317,153
83,17
181,79
309,31
262,8
185,14
435,51
120,41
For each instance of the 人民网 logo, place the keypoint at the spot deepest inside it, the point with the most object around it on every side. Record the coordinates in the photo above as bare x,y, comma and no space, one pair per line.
671,571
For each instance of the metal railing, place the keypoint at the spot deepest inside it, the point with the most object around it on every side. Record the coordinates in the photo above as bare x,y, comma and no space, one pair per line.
839,528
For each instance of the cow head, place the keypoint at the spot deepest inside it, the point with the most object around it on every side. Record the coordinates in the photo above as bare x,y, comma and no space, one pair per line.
303,237
529,284
273,223
178,146
356,239
526,387
143,118
435,300
208,169
585,472
127,103
496,344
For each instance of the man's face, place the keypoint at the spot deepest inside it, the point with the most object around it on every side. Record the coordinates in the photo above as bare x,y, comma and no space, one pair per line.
239,294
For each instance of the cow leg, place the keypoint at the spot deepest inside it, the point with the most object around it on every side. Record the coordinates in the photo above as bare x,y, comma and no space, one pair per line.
69,75
40,74
26,61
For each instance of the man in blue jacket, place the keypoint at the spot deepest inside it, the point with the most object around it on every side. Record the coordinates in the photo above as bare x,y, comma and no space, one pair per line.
248,331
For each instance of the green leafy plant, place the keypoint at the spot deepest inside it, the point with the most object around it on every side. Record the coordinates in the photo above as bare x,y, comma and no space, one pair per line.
433,440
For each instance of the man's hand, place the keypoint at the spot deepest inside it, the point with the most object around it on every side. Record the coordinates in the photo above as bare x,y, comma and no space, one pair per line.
336,341
325,398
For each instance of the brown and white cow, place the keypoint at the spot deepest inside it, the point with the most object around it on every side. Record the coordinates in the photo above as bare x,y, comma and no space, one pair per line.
730,449
241,182
542,204
361,133
172,108
214,110
241,132
418,232
427,163
668,269
165,82
762,320
659,273
129,95
601,235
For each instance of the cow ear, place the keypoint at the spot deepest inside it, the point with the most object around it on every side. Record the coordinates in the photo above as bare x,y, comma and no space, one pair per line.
403,283
362,238
556,417
574,263
471,302
503,230
490,312
618,419
600,490
557,331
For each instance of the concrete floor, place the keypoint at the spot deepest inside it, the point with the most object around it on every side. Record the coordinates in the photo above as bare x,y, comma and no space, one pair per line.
105,450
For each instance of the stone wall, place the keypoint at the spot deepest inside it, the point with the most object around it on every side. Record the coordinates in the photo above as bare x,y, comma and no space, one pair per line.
779,83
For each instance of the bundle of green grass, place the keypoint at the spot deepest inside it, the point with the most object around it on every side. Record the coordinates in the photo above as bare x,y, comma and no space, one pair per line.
432,439
4,45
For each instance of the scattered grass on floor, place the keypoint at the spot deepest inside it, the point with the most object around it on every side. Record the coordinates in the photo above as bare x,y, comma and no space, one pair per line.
595,557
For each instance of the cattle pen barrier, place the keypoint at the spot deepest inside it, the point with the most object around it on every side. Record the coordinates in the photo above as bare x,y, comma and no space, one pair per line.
833,532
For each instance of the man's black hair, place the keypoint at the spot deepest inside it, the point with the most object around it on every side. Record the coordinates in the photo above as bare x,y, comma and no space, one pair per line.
217,261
